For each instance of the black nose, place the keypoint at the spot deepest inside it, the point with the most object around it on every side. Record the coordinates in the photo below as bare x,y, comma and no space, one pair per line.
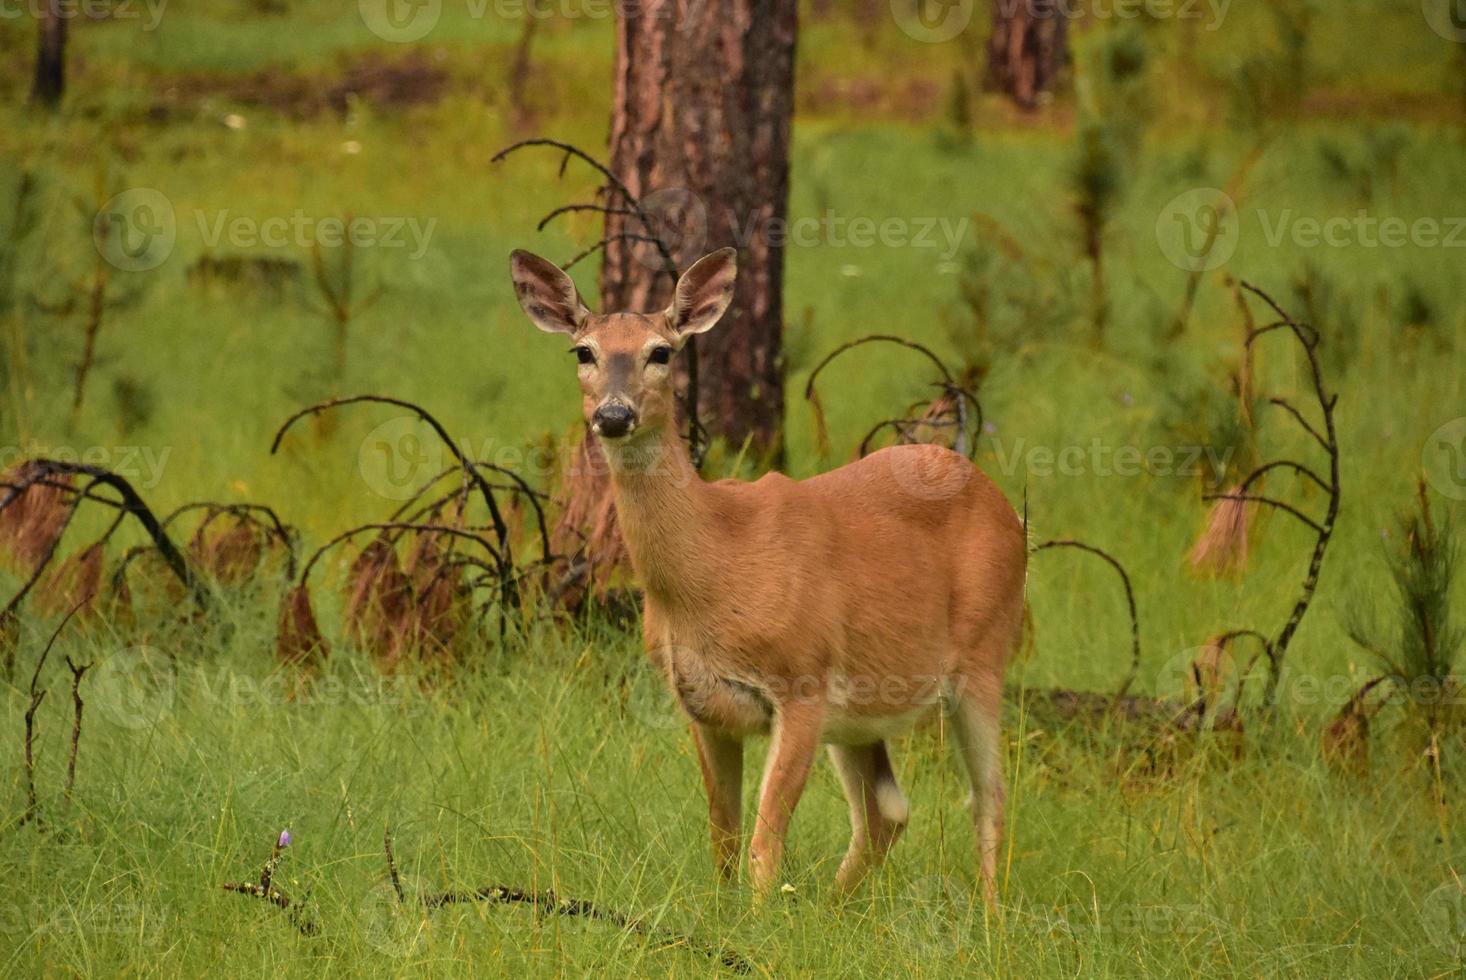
613,420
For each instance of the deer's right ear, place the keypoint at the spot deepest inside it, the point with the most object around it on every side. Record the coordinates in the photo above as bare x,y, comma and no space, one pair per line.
546,294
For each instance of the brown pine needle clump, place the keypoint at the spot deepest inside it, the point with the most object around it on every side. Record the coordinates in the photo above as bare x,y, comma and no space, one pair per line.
75,582
1206,680
588,531
34,519
441,609
1345,742
229,556
379,607
1222,548
298,640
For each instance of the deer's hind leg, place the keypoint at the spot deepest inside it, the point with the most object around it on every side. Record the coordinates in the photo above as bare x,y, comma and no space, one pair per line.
977,713
878,808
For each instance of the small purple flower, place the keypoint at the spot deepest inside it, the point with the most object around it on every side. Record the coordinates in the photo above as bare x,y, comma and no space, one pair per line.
989,428
284,840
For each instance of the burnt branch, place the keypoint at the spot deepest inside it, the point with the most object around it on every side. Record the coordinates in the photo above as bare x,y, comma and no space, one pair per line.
1286,406
949,410
547,902
620,236
78,671
265,889
1129,602
875,338
1308,340
571,208
501,530
613,183
278,899
1270,502
37,695
1298,468
452,532
128,500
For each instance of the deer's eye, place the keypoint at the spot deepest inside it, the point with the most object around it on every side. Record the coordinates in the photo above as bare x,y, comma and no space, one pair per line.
659,355
583,354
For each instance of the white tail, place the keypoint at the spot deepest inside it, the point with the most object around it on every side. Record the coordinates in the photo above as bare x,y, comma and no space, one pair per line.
838,609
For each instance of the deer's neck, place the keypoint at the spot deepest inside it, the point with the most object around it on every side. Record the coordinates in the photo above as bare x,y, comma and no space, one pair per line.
663,508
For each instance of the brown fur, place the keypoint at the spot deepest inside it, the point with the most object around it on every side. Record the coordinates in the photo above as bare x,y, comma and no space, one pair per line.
834,610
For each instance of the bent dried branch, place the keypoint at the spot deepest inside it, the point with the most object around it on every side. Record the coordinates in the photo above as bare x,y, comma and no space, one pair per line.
501,529
1129,602
128,500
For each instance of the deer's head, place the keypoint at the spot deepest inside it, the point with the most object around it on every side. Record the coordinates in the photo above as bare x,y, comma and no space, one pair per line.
625,358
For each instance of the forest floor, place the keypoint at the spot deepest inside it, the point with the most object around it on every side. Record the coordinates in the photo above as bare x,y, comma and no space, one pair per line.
551,759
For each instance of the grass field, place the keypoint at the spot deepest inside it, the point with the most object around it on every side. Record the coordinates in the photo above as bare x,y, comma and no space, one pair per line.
552,759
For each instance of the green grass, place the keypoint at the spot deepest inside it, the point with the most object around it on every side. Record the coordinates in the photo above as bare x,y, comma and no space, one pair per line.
553,759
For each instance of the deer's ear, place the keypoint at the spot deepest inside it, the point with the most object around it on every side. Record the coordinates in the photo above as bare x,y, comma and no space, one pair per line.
547,295
703,293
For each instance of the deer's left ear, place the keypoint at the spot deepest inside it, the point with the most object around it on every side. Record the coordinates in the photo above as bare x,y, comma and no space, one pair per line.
703,293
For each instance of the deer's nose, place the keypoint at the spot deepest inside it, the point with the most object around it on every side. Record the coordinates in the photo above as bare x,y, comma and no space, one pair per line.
613,420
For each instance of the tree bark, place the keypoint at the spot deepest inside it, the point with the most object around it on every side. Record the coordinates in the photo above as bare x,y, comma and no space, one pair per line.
700,133
50,79
1027,49
704,96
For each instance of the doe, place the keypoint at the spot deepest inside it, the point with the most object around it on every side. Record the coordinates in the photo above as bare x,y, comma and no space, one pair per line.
835,610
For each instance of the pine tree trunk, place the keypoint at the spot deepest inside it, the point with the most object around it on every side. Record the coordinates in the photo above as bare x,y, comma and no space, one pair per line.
50,79
704,96
1027,49
700,133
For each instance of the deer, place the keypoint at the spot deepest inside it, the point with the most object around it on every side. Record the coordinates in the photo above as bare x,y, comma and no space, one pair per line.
839,610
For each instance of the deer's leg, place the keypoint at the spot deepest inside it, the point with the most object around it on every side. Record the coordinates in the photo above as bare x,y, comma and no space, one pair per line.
791,754
721,759
878,808
977,727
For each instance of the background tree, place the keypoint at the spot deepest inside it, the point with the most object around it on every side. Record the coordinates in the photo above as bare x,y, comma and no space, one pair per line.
1027,49
50,79
700,133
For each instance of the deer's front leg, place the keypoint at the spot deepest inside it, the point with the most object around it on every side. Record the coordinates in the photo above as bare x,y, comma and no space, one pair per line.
795,743
721,758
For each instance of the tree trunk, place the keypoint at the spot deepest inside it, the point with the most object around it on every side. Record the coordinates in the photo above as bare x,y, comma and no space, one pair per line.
700,133
50,79
1027,49
704,96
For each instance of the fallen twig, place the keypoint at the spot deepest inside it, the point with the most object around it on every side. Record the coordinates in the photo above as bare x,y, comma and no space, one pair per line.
547,902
